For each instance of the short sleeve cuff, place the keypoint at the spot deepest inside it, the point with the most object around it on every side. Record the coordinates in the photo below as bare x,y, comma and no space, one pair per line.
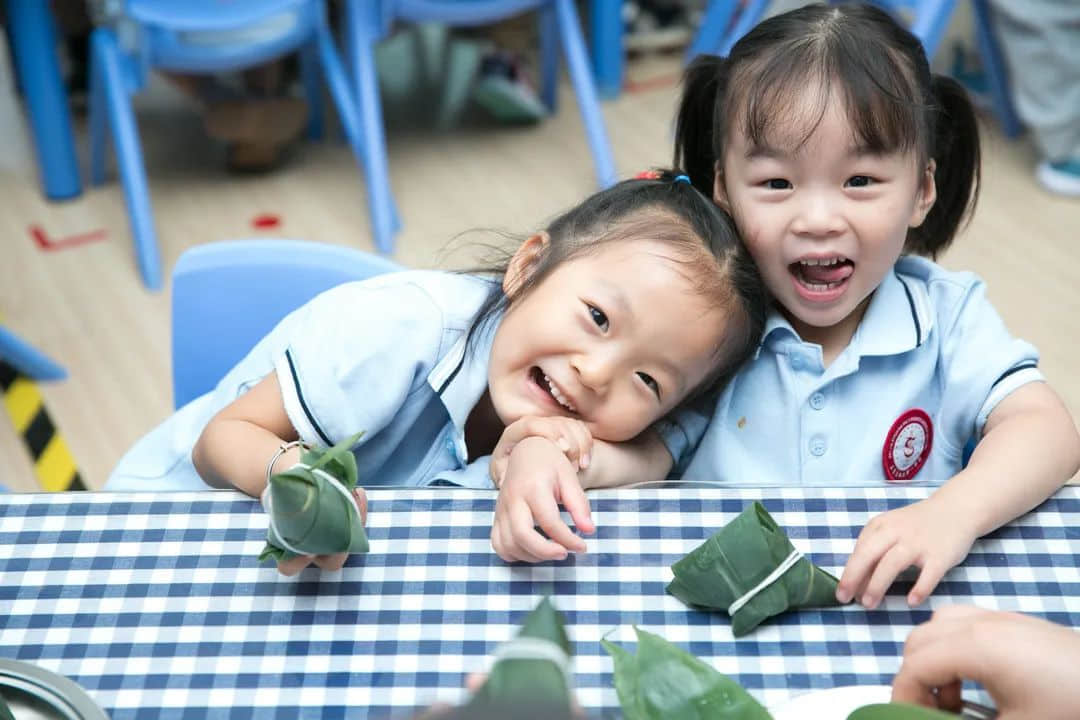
1008,383
295,407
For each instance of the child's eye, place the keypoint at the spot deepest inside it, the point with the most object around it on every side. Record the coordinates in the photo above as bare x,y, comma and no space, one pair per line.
777,184
860,181
598,317
650,382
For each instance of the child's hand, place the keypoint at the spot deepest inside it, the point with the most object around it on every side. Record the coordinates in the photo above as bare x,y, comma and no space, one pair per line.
931,534
539,477
327,562
569,435
1027,665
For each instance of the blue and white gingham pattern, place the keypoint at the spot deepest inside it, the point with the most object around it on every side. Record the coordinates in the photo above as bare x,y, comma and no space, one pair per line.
157,606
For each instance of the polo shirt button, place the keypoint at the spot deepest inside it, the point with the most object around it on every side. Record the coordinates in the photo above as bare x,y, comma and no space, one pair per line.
817,400
797,362
818,446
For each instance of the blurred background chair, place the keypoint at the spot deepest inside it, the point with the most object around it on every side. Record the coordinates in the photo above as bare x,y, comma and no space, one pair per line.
26,359
136,36
227,295
367,21
726,21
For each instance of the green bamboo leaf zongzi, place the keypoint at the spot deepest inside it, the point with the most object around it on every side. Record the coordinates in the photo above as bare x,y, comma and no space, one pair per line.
750,569
899,711
531,670
664,682
5,711
311,507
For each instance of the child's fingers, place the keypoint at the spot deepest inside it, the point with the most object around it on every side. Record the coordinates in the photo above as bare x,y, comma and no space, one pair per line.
581,439
529,544
332,562
576,503
943,661
868,550
294,565
546,512
898,558
929,577
361,503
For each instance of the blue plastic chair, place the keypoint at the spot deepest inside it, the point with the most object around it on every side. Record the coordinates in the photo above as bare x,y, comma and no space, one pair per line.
227,295
171,35
724,23
366,21
26,359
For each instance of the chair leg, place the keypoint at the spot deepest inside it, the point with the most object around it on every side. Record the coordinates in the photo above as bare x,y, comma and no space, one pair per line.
309,72
27,359
996,72
606,32
128,155
548,23
748,18
361,118
714,24
930,23
96,120
33,42
581,76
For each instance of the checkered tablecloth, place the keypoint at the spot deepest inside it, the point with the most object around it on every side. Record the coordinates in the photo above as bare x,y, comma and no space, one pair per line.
157,606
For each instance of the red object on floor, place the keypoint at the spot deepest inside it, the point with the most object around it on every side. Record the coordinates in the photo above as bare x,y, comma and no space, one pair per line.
266,221
44,242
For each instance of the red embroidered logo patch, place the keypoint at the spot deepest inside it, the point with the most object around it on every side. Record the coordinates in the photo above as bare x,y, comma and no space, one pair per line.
907,445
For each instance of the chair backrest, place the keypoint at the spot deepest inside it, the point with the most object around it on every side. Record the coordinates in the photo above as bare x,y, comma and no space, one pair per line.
227,295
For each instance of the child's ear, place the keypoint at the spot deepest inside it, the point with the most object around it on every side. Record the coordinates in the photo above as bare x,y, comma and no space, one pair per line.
926,197
719,192
524,261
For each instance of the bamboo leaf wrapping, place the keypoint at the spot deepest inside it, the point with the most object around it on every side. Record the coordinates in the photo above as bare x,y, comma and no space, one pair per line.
5,711
310,515
664,682
531,682
738,557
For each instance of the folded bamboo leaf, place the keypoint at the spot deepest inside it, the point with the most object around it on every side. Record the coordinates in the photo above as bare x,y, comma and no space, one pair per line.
663,681
311,506
531,669
5,711
743,554
899,711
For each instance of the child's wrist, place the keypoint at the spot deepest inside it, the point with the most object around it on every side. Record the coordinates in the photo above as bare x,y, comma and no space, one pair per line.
286,455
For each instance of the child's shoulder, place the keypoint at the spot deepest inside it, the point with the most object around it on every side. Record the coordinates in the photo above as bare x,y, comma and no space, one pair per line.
451,296
944,288
943,294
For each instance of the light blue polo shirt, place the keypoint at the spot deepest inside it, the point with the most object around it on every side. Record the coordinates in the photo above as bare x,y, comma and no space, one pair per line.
930,341
385,355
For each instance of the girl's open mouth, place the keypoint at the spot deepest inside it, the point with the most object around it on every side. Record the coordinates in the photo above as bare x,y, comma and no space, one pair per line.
544,383
821,280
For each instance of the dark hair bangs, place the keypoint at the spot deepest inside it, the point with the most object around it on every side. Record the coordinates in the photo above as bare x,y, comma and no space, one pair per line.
783,96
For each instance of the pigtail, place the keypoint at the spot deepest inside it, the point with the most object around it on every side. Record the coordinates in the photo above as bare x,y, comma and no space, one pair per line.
956,151
695,131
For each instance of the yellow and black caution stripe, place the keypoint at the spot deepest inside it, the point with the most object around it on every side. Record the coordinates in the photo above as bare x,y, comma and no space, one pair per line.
54,465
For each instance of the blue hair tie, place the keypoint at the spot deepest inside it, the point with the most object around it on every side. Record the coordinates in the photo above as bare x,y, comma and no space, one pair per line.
681,179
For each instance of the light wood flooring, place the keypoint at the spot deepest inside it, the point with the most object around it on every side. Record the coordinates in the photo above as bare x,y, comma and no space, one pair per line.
87,308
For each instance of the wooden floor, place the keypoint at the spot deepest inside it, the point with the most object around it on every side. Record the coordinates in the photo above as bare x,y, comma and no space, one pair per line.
87,308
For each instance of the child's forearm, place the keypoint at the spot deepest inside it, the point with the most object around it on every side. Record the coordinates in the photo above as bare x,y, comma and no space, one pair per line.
235,453
643,459
1029,450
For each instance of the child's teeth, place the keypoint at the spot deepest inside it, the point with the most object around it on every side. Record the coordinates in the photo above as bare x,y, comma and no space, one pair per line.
557,395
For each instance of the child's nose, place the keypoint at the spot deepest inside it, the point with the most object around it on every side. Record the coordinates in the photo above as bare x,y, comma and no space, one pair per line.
594,370
818,215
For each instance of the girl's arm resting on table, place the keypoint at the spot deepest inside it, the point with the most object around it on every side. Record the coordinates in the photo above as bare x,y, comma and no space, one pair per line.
1029,449
643,459
239,441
